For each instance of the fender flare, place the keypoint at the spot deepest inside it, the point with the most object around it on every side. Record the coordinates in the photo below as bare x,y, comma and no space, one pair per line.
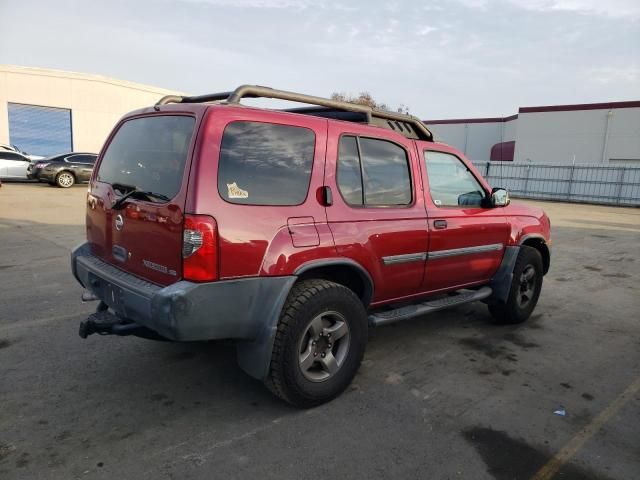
345,262
254,357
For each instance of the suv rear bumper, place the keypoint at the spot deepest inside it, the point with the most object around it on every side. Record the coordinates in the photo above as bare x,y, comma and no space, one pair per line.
246,309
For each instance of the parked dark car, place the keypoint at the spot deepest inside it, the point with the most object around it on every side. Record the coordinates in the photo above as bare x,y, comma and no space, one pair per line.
63,170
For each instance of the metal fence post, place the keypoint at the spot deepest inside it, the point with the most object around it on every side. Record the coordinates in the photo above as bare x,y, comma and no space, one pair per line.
573,167
526,179
620,179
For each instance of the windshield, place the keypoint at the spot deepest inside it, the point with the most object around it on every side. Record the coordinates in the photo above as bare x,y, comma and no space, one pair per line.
149,154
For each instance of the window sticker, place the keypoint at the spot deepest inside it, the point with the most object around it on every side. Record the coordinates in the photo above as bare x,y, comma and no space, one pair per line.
234,191
437,202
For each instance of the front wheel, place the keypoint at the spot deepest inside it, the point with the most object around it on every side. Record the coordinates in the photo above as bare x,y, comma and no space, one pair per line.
525,288
65,179
319,344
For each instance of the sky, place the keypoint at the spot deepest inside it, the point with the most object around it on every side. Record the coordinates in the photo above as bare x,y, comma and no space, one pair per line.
442,59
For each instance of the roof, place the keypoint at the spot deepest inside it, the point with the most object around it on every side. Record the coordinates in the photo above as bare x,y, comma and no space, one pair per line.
46,72
546,108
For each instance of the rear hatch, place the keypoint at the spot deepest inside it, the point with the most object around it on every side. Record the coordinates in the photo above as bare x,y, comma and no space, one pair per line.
142,234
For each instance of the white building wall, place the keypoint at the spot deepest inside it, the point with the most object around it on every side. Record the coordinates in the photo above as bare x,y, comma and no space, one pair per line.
96,102
562,136
510,130
474,139
453,134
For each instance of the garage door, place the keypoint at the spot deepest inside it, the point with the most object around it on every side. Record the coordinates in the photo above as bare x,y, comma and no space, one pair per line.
40,130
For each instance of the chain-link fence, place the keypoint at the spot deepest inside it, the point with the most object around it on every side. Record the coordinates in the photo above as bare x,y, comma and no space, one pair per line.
611,185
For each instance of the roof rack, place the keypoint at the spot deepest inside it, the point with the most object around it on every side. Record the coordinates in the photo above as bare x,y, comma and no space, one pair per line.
407,125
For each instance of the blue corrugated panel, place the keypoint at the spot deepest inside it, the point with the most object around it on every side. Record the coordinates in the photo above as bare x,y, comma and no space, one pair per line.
40,130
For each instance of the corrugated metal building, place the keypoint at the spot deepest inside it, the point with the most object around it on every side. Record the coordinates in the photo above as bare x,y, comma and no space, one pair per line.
600,133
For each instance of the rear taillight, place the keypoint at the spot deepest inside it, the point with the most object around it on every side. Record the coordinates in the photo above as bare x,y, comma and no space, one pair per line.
199,248
41,165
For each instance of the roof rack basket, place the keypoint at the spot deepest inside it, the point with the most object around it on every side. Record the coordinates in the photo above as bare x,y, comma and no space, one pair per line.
407,125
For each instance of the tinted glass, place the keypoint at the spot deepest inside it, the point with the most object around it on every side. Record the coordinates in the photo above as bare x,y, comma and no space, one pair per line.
349,174
451,183
265,164
386,173
11,156
57,158
83,159
149,153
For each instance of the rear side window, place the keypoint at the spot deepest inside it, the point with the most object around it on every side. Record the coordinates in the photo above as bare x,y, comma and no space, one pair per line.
349,173
149,153
265,163
83,159
373,172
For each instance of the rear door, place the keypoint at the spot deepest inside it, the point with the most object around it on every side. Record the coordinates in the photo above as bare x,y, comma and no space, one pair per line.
467,237
151,153
82,166
378,217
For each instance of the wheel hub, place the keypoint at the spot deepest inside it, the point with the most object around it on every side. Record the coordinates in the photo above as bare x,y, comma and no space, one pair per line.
527,286
323,347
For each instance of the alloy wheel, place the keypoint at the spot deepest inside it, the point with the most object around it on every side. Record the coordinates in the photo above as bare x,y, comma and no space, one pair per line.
324,346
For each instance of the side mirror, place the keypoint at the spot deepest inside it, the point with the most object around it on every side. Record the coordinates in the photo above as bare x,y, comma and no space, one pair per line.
500,197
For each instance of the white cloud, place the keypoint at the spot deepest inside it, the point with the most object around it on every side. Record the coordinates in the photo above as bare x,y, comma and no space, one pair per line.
270,4
611,8
426,30
610,75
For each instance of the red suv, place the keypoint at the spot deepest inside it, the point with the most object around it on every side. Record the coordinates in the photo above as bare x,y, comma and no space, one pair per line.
293,232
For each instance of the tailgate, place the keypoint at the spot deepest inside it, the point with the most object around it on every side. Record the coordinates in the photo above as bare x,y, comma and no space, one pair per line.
144,235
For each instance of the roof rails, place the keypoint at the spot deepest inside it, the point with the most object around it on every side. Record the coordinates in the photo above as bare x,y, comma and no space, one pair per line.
407,125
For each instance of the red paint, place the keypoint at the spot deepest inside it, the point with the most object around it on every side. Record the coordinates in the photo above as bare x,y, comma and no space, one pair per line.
503,152
276,240
580,106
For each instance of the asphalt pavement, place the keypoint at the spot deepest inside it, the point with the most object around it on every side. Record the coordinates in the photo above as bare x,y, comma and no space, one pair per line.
446,396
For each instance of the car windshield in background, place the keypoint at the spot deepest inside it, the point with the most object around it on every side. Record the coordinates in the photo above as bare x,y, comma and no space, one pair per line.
149,153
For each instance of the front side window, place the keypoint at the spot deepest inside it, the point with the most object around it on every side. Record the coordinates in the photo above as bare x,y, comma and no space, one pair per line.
11,156
373,172
265,163
451,184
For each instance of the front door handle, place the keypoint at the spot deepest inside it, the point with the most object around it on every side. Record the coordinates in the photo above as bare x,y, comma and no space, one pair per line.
439,224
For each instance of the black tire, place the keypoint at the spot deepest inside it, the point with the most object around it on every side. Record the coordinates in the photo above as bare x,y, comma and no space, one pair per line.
65,179
308,301
525,291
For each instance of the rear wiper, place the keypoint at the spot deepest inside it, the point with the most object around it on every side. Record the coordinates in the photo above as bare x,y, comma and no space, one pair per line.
134,192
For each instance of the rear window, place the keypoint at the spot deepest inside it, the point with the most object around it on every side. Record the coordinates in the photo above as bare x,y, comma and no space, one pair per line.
149,153
265,163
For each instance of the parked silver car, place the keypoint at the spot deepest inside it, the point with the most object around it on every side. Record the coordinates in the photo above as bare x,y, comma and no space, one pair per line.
14,165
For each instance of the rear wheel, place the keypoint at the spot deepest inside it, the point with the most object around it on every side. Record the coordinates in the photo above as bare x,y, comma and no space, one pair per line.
525,288
65,179
319,343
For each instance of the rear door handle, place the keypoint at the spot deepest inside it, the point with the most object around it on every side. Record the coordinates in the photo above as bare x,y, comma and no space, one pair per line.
440,224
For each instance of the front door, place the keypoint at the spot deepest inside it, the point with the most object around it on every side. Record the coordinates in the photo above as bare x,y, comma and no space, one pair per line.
378,217
468,237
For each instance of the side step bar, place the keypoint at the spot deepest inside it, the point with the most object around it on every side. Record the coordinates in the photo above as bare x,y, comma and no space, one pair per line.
410,311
